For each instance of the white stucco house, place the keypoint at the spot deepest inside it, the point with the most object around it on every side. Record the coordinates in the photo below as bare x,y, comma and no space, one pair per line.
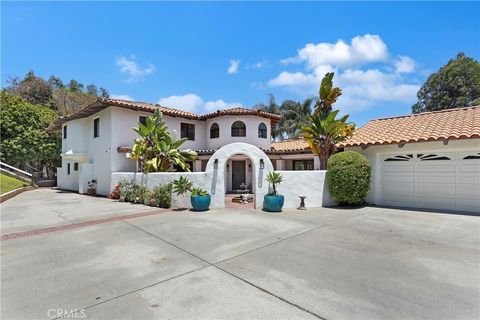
96,142
427,160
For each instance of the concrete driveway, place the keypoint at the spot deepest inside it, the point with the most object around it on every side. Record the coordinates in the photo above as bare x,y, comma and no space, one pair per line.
369,263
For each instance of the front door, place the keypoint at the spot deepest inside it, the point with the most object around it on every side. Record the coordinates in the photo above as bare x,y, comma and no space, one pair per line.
238,174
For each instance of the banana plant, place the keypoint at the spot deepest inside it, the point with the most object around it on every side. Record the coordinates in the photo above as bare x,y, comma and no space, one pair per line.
156,150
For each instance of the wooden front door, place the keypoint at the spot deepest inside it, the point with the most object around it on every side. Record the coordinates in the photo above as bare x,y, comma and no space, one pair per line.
238,174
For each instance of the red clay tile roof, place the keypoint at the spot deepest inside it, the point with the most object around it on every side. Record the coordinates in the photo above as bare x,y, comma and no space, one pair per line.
103,103
290,145
461,123
241,111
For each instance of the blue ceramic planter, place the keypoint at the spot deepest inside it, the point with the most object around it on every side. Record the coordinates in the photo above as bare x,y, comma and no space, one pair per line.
200,203
273,203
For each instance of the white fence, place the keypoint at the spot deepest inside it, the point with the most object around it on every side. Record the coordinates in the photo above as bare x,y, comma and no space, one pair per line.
310,184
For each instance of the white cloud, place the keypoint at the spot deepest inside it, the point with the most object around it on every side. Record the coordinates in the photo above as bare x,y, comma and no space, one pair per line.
188,102
233,68
194,103
366,48
122,97
135,71
259,65
404,64
362,88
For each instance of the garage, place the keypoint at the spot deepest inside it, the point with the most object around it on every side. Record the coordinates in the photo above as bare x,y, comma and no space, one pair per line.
428,160
432,180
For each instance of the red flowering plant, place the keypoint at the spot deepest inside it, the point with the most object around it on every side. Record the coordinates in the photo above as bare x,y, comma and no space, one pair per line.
115,194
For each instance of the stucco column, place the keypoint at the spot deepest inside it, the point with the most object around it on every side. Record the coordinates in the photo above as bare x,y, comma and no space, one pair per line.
197,167
280,164
316,163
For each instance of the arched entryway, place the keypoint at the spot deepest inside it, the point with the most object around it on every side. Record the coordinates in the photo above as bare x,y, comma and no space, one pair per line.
216,170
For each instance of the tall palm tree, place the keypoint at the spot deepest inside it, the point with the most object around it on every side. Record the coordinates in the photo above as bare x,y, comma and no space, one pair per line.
324,131
295,116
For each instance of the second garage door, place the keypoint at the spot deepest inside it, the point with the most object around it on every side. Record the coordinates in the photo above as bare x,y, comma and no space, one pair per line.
448,181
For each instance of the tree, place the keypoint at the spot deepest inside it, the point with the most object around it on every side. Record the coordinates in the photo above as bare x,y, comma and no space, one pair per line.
32,89
92,89
455,85
25,142
294,117
325,130
156,150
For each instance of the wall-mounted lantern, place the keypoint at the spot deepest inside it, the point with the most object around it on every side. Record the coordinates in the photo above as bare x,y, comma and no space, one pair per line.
262,164
215,164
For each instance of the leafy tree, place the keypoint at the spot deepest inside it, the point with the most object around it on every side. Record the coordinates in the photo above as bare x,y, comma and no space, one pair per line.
55,83
32,89
294,117
75,86
325,130
104,93
156,150
25,142
92,89
455,85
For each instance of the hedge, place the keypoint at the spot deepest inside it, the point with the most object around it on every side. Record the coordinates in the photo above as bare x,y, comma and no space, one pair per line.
348,177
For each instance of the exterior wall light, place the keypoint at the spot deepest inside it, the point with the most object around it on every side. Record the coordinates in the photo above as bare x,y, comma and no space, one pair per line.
215,164
262,164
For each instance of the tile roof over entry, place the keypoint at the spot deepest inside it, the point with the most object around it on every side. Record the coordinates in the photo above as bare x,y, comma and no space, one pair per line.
451,124
290,145
102,103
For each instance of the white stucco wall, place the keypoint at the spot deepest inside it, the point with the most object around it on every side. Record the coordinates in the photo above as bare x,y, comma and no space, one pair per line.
306,183
311,184
375,153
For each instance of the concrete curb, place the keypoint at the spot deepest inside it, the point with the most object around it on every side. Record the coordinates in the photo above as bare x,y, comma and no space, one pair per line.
13,193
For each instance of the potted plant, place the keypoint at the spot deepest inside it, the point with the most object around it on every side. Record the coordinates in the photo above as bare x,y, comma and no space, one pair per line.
199,198
92,184
273,202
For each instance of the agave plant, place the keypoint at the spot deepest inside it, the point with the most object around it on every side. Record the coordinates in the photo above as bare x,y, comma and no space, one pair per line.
182,185
156,150
275,178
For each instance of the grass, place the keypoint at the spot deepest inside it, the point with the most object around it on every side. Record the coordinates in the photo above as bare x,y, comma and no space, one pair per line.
8,183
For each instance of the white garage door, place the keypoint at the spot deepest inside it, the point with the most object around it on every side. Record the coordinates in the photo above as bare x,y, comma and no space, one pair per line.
449,181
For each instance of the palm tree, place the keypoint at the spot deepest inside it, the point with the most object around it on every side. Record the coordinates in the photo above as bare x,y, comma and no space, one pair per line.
295,116
156,150
324,130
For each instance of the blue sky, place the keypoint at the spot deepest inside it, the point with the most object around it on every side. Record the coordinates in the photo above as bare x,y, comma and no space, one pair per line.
200,56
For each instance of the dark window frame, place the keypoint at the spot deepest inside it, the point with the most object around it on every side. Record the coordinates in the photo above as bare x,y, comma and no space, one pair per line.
305,164
142,120
214,131
96,127
239,131
262,131
187,130
68,168
75,166
65,132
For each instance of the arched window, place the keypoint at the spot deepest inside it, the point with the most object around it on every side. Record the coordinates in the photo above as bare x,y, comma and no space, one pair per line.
239,129
262,130
214,131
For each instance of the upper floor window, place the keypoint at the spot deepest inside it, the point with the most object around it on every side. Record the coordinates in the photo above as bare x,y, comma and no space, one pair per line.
214,131
187,130
142,120
68,168
75,166
96,127
65,132
262,130
239,129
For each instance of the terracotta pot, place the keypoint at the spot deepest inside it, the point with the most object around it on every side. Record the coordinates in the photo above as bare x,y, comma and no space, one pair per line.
91,191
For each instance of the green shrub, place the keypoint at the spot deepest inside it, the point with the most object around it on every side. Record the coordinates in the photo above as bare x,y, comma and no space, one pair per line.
131,191
161,196
348,177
